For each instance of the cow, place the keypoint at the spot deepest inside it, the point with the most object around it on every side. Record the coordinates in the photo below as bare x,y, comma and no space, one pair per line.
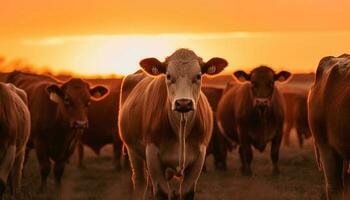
329,108
218,145
58,117
166,122
252,114
3,76
14,134
103,123
296,115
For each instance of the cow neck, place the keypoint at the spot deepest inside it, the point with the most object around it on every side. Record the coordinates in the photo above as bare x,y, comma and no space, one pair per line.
70,136
73,140
58,119
181,124
262,119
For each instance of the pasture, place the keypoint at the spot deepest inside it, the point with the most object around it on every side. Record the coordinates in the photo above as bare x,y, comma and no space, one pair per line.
299,178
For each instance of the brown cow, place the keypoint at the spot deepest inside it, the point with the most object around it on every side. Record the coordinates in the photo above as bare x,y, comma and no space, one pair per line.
3,76
59,116
166,122
296,115
14,134
103,123
329,119
251,114
218,145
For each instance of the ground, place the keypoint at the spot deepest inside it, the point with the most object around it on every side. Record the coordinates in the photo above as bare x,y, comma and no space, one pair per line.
299,178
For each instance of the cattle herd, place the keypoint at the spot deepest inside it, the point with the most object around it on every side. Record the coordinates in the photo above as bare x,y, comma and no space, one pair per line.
164,120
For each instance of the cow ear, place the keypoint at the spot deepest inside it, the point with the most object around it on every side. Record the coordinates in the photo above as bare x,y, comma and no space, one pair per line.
214,66
99,92
55,93
241,76
282,76
153,67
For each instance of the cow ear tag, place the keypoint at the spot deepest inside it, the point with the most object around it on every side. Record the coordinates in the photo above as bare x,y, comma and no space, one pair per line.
97,95
54,97
211,70
241,78
281,78
155,71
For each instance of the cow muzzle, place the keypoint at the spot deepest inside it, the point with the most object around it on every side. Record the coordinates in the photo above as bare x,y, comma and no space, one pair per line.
83,124
184,105
262,104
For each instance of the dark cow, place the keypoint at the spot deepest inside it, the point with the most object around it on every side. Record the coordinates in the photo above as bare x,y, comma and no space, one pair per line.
166,122
329,119
14,134
296,115
103,123
58,117
218,145
252,114
3,76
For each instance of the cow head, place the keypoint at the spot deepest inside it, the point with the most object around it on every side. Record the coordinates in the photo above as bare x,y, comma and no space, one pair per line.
262,81
73,98
183,71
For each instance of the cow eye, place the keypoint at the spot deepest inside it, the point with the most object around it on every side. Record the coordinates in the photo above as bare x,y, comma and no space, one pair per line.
170,78
67,101
197,79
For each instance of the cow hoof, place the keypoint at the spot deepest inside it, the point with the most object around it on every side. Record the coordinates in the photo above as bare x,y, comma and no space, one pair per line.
42,189
118,167
220,166
175,195
2,188
189,196
275,172
58,185
160,195
82,167
246,172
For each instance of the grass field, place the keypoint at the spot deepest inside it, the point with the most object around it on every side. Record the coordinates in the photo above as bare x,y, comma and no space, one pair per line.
299,178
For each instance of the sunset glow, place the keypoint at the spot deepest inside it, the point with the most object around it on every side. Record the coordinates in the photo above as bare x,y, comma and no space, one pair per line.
109,37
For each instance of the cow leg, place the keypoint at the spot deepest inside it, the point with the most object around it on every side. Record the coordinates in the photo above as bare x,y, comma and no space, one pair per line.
346,180
220,153
58,172
300,138
275,149
139,178
26,157
80,149
287,130
246,156
16,174
117,150
332,169
6,166
45,164
2,188
192,173
160,185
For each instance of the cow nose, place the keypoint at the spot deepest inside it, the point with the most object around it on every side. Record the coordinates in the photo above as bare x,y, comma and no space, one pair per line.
80,124
263,102
183,105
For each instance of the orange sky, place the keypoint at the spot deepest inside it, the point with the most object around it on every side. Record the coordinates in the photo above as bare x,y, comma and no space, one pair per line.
90,37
